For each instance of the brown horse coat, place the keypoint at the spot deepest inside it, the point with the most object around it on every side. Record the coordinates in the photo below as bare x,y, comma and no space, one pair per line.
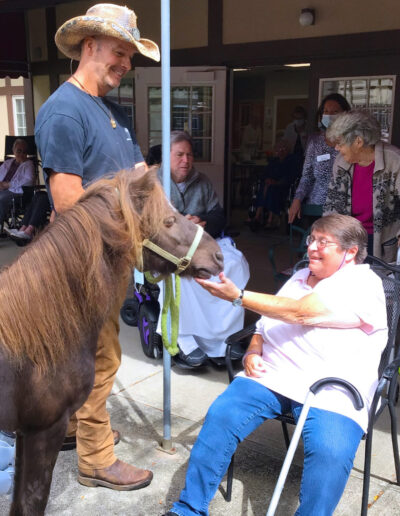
54,300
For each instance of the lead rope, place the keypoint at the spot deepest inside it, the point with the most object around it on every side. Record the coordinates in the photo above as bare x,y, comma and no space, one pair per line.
171,304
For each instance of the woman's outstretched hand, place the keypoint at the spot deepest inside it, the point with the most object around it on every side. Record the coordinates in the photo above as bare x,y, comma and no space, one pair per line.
226,289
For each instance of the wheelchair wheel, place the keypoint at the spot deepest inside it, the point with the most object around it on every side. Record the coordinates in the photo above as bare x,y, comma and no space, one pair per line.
147,323
130,311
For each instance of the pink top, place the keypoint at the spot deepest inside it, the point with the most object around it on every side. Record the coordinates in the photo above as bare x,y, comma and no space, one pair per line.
361,196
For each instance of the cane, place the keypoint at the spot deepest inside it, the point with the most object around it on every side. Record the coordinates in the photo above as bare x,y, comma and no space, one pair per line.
315,387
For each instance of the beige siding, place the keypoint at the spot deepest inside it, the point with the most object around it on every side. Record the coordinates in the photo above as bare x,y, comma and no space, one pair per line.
189,20
4,128
37,35
41,91
17,82
261,20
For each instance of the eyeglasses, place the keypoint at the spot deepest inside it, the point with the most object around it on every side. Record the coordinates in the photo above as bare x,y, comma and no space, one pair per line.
321,242
20,151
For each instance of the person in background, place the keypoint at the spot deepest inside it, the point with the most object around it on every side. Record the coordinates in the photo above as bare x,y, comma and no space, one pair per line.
251,138
35,217
154,155
14,174
296,132
81,135
328,320
280,173
204,323
365,181
7,452
320,155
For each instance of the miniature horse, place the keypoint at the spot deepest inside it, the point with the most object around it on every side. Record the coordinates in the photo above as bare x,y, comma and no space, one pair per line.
54,300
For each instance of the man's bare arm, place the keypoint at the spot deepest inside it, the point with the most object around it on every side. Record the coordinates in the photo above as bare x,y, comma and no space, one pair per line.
65,189
309,310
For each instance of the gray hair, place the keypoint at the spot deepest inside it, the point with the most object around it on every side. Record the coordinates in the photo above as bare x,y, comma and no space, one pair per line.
352,124
20,141
181,136
348,231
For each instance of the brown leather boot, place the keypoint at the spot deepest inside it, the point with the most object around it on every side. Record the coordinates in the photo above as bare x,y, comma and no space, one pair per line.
119,476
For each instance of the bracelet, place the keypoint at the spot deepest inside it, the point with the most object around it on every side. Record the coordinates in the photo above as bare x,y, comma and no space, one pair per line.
251,352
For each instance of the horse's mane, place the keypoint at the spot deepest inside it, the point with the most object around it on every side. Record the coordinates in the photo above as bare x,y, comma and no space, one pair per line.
62,287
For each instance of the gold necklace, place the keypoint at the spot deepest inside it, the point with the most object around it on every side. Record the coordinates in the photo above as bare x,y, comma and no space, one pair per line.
107,112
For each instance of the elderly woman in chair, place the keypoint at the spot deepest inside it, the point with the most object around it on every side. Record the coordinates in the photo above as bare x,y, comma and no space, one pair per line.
14,174
328,320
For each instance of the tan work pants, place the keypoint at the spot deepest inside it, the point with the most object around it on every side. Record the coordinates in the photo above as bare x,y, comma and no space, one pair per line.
91,423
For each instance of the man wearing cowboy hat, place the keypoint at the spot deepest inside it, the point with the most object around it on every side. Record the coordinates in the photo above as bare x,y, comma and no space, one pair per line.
81,136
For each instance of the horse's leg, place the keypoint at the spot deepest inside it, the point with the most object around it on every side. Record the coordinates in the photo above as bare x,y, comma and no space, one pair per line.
36,456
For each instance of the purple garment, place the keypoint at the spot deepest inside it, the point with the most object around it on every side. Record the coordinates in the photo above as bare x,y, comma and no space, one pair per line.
24,176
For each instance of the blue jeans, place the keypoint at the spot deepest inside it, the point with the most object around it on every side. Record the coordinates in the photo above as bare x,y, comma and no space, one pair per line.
330,443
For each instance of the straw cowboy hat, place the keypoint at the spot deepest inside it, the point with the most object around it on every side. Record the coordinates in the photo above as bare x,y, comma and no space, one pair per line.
103,20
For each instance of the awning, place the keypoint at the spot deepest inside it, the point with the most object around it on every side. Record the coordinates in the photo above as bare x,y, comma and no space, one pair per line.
13,53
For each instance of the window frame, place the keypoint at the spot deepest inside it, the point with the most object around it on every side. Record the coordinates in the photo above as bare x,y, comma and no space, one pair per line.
322,80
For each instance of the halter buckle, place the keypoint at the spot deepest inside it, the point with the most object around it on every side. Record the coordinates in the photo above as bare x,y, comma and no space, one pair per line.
183,264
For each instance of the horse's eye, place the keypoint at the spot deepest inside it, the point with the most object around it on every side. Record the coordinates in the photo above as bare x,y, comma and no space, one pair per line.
170,221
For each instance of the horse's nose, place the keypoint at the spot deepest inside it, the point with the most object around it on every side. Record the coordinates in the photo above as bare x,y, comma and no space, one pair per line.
219,258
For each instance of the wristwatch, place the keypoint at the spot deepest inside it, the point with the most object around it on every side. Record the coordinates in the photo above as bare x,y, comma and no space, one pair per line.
238,300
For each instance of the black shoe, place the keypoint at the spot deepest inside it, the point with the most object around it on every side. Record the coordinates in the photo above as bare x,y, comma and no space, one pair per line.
218,361
237,353
196,358
170,513
70,442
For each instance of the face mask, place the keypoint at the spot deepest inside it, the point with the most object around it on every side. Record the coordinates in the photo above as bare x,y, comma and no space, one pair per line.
299,122
327,120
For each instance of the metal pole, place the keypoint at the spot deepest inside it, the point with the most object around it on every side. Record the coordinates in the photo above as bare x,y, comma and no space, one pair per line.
166,444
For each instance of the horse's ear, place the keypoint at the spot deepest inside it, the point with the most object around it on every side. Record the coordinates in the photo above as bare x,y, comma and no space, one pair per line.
142,185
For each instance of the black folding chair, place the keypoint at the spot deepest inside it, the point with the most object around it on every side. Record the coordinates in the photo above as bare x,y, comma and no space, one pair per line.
387,391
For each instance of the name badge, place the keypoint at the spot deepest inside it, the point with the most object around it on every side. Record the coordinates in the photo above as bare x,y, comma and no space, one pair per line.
323,157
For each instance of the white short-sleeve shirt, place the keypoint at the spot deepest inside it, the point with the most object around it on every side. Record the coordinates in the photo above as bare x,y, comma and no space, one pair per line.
296,356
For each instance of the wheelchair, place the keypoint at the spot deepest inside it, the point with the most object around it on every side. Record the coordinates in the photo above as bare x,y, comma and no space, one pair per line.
20,202
142,310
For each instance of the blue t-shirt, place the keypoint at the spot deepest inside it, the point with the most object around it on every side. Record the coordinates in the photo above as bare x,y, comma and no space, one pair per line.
74,135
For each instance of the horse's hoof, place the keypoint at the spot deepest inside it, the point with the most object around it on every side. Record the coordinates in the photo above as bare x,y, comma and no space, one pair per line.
120,476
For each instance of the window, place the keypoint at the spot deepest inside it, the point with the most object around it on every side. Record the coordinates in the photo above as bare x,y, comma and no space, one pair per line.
374,94
191,111
19,115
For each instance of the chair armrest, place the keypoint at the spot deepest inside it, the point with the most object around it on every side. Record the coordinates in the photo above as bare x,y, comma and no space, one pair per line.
232,339
241,334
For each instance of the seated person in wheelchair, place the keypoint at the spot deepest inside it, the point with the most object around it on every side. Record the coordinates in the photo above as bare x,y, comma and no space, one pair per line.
204,322
35,217
328,320
278,177
14,174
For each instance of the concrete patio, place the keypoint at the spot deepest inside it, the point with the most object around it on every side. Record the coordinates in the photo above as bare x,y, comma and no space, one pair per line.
136,411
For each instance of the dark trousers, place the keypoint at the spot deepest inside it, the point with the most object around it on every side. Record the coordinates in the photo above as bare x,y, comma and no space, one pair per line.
6,198
36,212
